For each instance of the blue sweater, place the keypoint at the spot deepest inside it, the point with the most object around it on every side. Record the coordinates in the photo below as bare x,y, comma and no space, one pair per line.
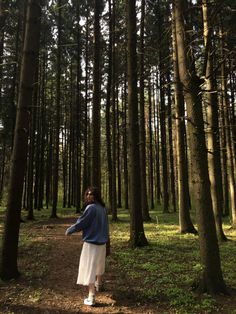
93,223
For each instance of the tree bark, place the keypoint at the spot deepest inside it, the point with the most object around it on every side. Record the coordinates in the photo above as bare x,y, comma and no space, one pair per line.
211,280
57,122
9,268
137,236
145,209
185,223
213,128
150,132
228,135
96,119
108,107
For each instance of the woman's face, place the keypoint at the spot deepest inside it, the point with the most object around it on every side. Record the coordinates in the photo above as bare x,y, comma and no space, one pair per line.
90,196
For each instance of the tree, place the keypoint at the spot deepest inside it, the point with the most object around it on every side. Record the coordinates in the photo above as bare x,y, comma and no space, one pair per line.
9,267
186,225
137,236
108,105
96,122
211,279
57,117
143,178
230,164
213,128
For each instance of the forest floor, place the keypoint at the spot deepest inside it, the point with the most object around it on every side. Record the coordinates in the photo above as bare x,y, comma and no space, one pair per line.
49,264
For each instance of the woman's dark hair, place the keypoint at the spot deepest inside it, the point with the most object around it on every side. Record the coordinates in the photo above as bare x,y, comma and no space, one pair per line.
96,194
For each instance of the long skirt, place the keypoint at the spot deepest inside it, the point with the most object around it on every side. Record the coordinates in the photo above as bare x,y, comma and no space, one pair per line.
92,263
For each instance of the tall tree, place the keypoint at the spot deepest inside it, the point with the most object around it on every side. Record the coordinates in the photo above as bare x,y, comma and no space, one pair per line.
213,125
145,210
185,223
137,236
162,115
9,267
108,105
114,126
57,117
228,132
3,15
96,118
211,279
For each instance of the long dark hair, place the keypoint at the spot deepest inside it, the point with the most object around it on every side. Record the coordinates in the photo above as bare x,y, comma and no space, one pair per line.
96,194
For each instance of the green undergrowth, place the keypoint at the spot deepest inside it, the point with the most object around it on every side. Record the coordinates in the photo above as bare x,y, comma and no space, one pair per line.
164,271
161,273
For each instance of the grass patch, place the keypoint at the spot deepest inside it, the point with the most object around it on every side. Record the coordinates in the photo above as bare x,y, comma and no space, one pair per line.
165,270
161,273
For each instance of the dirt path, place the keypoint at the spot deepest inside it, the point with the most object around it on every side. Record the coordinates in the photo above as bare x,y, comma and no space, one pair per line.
49,274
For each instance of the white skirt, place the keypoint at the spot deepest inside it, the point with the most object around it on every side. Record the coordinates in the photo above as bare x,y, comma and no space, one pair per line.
92,263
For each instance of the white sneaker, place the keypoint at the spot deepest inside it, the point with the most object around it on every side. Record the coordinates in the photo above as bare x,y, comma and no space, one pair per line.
90,300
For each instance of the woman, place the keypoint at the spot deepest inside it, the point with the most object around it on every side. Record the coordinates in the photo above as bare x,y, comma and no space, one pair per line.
94,225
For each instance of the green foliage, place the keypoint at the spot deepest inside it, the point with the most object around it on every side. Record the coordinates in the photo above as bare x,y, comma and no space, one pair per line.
162,272
166,269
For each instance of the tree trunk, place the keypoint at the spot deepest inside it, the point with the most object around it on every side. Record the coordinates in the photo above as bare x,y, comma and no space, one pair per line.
151,176
170,142
31,158
9,267
57,122
157,149
3,15
143,174
108,106
213,128
126,185
137,236
96,119
162,115
86,147
228,136
185,223
211,279
113,122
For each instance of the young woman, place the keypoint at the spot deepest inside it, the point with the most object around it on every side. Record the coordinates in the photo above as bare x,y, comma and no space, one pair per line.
94,225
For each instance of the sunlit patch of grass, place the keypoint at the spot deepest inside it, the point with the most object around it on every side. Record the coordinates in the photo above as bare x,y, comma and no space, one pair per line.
165,269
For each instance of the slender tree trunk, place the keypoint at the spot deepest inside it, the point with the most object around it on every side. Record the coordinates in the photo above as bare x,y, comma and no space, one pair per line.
228,137
3,15
144,200
225,180
96,119
108,106
171,154
157,149
86,148
212,279
119,197
185,223
57,122
151,176
9,268
126,185
213,128
137,236
164,165
49,164
113,116
32,145
78,117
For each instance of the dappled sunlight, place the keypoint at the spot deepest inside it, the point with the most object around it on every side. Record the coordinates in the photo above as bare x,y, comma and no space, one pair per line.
162,271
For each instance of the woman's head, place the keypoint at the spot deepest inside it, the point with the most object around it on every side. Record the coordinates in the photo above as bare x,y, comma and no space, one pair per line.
93,195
